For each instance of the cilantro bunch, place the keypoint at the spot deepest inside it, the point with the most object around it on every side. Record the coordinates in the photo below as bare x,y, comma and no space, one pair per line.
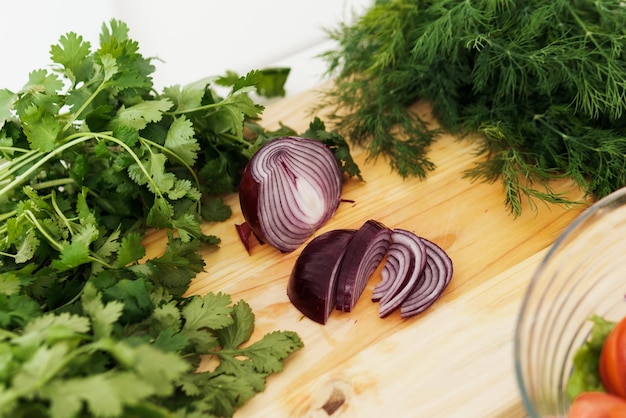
92,157
537,85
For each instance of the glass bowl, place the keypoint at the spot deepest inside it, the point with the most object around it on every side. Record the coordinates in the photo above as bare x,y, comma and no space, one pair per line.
583,273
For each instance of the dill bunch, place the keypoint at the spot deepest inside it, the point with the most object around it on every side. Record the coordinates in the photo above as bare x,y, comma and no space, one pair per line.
540,84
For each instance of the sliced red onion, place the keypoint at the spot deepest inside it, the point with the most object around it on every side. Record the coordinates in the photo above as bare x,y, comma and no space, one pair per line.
244,232
436,277
312,284
334,268
402,270
364,253
290,188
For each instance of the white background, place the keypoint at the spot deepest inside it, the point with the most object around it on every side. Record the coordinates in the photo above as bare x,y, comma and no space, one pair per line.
192,39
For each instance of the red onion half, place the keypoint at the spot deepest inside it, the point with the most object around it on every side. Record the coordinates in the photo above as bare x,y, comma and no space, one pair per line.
363,254
312,284
289,189
402,270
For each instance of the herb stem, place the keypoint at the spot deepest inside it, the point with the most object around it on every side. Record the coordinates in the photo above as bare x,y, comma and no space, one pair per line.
110,137
60,214
43,158
195,109
80,110
33,219
10,167
53,183
168,151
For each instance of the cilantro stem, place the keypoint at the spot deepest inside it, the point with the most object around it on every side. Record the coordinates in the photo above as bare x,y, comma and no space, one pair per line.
195,109
110,137
80,110
45,157
60,214
168,151
53,183
7,215
16,164
33,220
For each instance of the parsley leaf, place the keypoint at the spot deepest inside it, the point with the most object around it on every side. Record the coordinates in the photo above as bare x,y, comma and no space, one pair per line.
93,158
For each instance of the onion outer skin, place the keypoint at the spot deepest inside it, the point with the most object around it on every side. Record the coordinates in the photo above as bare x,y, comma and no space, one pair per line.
276,184
403,269
363,254
437,275
312,284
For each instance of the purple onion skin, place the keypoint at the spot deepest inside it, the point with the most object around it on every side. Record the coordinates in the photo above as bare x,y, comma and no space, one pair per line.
312,284
248,198
364,253
268,227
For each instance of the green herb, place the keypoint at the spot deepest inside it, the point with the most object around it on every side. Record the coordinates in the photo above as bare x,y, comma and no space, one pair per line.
67,364
538,85
585,374
91,157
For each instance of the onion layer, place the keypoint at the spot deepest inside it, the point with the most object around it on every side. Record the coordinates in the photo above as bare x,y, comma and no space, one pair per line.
312,284
402,270
289,189
363,254
436,277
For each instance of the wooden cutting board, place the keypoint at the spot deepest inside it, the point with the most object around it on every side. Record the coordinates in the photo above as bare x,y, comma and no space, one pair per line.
453,360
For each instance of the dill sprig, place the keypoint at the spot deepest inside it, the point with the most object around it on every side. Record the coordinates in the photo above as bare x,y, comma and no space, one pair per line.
540,85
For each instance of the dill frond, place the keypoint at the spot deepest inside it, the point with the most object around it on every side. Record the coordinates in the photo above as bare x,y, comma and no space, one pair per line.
542,84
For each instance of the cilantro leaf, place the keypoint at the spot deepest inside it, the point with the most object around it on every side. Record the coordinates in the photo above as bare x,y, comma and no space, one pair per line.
139,115
215,210
103,317
240,329
105,394
272,82
171,340
268,353
232,112
17,310
72,53
94,157
178,265
337,143
134,296
210,311
43,133
130,250
77,251
180,139
184,99
7,98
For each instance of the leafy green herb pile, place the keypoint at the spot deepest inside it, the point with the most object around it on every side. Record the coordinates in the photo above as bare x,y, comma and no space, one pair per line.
91,158
541,83
585,375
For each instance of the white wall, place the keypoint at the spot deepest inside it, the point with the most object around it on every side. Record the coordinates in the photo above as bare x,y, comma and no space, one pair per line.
194,38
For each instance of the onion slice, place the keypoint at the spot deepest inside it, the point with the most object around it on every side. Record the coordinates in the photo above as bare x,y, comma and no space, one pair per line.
365,251
289,189
312,284
402,270
436,277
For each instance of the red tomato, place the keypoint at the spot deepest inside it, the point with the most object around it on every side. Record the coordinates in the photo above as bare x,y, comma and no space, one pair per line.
613,360
597,405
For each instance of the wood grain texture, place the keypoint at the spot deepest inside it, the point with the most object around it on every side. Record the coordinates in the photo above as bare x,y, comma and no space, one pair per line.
455,359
